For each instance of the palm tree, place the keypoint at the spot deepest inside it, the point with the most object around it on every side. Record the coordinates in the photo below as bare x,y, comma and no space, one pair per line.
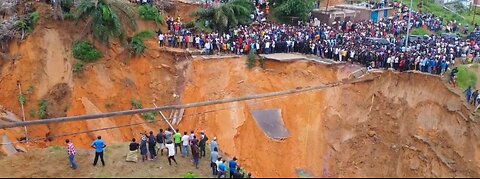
105,18
227,15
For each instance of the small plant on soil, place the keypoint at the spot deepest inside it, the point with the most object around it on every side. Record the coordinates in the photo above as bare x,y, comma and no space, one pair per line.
28,24
137,44
150,116
251,60
108,105
42,109
32,113
78,67
150,13
22,99
30,89
137,104
261,61
190,175
85,52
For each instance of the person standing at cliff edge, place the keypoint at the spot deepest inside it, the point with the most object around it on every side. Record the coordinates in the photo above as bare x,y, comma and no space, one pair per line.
99,145
71,154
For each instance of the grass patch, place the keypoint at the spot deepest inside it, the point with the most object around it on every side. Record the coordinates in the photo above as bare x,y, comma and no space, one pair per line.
190,175
56,149
466,78
85,52
420,31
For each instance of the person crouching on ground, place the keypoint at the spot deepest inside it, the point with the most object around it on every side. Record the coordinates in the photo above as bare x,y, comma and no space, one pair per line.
71,154
132,155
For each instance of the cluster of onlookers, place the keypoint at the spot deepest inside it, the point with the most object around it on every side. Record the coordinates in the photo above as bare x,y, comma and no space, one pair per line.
170,143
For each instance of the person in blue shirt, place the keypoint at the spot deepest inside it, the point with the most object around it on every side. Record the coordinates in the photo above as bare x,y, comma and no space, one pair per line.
233,166
99,145
222,169
468,93
214,144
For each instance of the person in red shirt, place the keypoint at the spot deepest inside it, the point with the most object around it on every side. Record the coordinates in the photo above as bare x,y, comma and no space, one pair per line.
71,154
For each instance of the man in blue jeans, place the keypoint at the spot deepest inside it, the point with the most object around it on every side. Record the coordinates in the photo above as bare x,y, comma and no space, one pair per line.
185,144
71,154
99,145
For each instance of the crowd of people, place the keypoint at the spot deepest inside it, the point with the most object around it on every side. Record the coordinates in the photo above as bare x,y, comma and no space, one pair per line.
379,44
170,142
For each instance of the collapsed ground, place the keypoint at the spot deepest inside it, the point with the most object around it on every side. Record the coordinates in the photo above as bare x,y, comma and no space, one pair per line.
398,125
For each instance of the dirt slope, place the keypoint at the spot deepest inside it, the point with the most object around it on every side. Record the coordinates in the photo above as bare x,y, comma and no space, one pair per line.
400,125
43,63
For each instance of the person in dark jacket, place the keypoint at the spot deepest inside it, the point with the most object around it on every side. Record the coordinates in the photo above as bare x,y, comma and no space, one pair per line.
203,143
151,146
143,148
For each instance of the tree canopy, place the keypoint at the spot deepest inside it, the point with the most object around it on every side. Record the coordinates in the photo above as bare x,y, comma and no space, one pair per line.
286,9
105,18
226,16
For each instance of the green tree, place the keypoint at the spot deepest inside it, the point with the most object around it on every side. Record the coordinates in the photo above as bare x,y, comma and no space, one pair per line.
105,18
226,16
284,10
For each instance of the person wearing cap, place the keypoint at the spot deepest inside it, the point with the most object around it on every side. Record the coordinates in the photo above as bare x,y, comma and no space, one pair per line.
203,142
214,144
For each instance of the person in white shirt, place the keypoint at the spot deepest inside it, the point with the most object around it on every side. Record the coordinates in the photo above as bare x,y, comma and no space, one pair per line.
267,47
161,39
185,144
